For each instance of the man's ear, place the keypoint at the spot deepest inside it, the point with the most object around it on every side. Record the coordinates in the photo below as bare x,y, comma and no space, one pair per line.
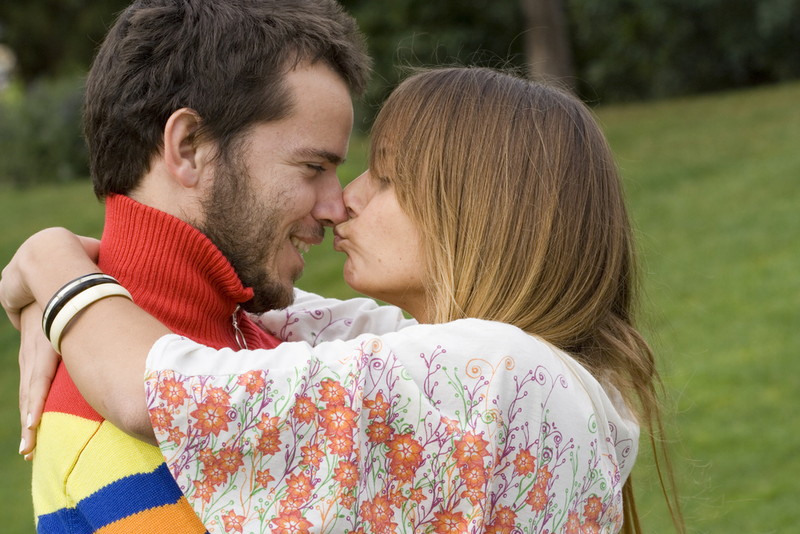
184,156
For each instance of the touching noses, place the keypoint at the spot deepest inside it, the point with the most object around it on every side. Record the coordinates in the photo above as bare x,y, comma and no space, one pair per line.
329,209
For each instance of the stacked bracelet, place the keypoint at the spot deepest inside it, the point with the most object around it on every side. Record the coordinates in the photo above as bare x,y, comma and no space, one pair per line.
74,297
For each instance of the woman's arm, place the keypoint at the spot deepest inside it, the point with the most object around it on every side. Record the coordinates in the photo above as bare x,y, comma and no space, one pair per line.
316,319
106,362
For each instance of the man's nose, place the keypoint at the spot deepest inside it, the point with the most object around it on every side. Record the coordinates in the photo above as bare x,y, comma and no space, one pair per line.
329,209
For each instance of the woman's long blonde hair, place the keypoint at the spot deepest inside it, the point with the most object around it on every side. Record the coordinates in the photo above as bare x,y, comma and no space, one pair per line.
523,220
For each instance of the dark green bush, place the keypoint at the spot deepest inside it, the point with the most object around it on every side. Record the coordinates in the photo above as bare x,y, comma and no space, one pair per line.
40,134
632,49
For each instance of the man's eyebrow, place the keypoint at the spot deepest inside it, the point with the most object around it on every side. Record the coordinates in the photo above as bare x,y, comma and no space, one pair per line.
314,154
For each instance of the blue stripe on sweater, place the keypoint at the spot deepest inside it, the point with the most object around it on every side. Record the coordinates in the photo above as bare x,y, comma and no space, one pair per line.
120,499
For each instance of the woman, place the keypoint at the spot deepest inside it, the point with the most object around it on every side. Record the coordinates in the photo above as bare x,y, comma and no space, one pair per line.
492,212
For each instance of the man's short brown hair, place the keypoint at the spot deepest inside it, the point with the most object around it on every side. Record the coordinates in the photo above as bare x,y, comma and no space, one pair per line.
225,59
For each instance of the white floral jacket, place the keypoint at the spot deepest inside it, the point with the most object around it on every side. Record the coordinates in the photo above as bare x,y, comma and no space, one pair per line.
470,426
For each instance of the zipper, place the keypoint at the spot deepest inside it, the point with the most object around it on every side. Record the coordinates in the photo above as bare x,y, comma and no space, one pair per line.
240,340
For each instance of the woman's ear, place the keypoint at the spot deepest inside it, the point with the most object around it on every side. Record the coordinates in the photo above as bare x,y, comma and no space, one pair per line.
184,156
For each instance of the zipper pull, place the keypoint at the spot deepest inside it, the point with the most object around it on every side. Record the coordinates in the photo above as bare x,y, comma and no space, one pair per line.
240,340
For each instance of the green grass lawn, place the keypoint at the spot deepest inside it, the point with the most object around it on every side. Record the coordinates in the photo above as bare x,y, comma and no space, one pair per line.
714,187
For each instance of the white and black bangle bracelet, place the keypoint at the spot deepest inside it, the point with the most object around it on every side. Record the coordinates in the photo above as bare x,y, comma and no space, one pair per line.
73,298
69,290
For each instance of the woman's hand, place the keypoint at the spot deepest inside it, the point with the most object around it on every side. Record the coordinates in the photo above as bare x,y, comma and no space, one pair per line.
39,251
24,280
37,368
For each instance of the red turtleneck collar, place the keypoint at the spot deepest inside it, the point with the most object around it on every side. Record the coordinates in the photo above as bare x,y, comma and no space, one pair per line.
174,273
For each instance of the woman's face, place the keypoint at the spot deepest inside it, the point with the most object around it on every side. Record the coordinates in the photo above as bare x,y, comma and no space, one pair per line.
383,247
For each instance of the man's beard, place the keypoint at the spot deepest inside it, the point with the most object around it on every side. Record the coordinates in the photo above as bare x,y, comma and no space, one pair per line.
246,234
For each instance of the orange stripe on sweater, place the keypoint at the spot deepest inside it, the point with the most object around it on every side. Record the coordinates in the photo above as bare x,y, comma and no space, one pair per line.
178,518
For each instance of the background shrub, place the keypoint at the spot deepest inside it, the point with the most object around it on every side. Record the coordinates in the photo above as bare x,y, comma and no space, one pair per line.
40,134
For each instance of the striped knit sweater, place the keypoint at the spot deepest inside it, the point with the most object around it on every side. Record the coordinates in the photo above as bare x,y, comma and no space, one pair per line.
88,476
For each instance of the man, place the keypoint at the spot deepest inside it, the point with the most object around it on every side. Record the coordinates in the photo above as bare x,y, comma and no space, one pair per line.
215,129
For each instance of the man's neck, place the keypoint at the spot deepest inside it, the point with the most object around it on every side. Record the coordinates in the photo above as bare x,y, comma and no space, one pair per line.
176,274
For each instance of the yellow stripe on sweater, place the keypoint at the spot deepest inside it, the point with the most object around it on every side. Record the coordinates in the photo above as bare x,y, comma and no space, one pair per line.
76,457
109,456
59,440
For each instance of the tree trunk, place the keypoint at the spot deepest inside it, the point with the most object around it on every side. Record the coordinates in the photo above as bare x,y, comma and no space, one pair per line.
547,42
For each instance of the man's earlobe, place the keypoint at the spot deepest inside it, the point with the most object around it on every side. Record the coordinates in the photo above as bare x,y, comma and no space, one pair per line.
183,155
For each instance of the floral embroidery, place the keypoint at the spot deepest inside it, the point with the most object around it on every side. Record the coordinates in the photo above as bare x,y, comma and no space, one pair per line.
361,444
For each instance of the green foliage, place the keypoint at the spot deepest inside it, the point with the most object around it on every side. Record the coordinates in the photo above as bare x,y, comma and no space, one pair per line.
40,134
55,37
634,49
405,34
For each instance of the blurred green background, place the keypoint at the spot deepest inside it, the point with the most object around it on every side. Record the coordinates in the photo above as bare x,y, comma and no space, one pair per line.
698,102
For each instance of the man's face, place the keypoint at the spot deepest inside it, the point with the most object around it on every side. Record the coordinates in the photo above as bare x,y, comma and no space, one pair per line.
271,198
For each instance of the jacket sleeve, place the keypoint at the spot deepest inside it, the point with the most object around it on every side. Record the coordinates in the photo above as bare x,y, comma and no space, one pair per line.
314,319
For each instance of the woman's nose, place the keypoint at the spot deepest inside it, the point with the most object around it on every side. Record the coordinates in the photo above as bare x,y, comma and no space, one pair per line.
354,195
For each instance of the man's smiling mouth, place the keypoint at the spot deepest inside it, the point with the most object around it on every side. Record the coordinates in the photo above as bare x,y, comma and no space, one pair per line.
301,246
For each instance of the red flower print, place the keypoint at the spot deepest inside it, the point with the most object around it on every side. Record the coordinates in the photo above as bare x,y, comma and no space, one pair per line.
341,445
543,476
232,522
332,392
291,522
312,455
175,435
267,423
161,419
347,499
593,508
590,527
404,456
379,513
417,495
230,459
402,472
573,525
215,474
525,462
470,450
537,498
338,420
505,516
210,418
346,473
474,495
207,456
304,409
396,498
452,426
474,476
263,478
172,392
288,505
377,407
253,381
379,432
203,490
299,487
218,396
269,443
449,523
